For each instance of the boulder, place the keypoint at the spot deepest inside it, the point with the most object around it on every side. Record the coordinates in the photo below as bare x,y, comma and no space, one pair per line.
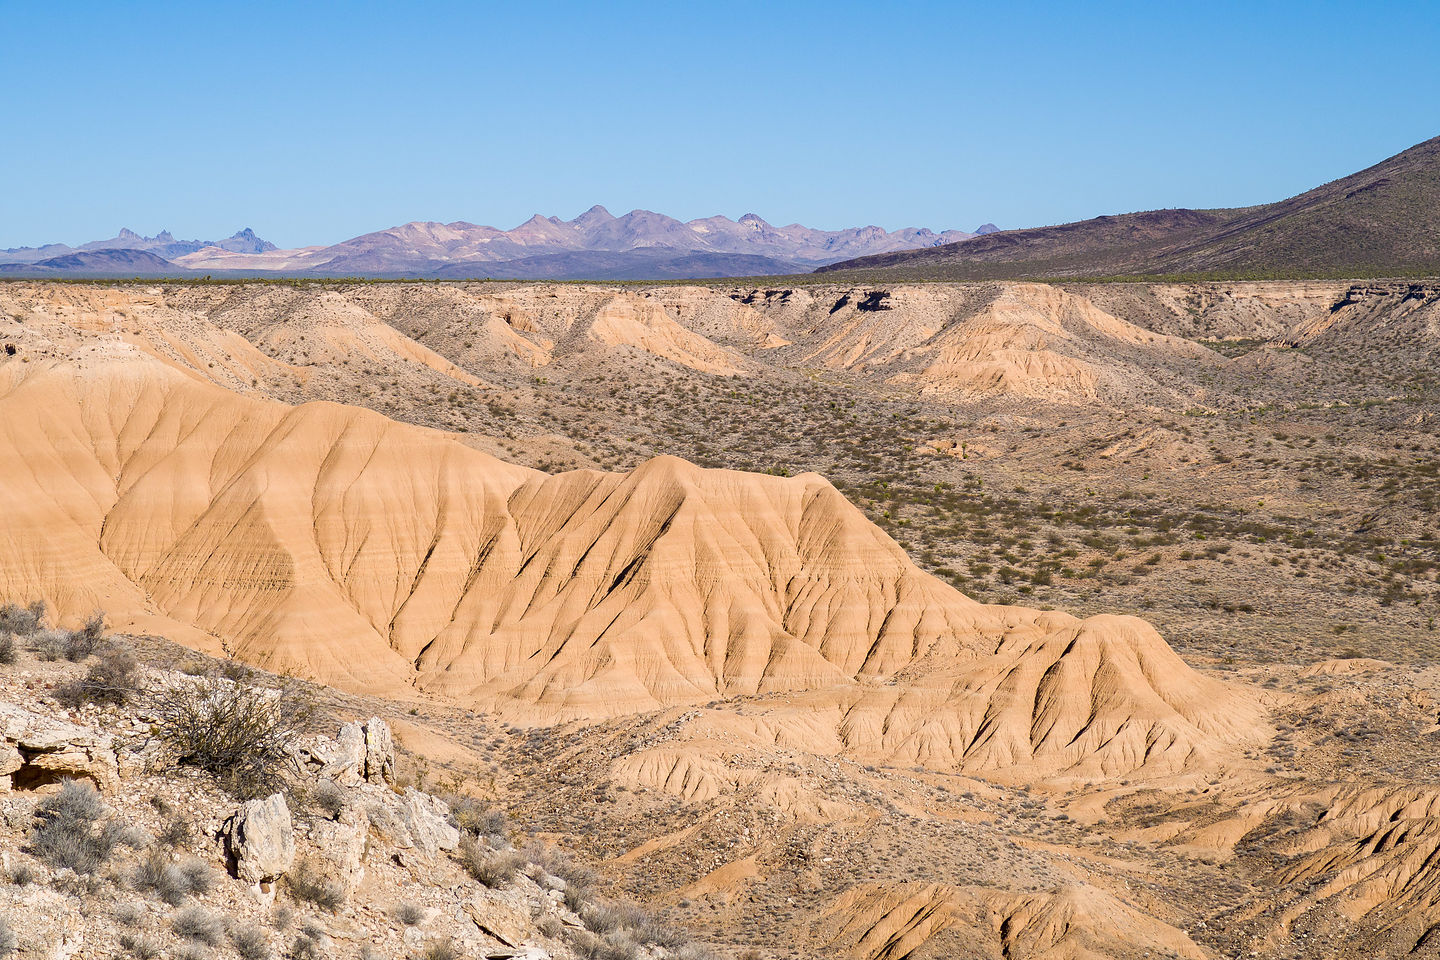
361,751
341,844
260,839
379,751
342,760
501,917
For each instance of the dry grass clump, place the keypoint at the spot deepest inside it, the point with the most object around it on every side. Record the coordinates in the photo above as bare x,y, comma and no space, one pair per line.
476,819
250,943
442,949
70,831
8,941
198,924
23,874
308,944
408,914
110,680
25,621
156,874
236,730
48,645
139,946
81,644
309,882
329,798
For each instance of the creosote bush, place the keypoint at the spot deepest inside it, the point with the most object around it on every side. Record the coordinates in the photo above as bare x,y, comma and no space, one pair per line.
8,648
69,829
236,730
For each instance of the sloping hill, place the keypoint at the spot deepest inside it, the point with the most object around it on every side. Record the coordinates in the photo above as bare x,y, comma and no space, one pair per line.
123,262
330,542
1382,221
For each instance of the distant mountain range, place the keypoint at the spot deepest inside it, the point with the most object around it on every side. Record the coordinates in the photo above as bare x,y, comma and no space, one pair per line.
640,245
162,245
1382,221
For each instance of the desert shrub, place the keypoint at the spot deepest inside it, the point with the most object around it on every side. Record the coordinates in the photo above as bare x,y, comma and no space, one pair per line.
8,649
282,916
139,946
329,798
8,940
591,947
111,679
22,875
626,922
69,831
80,644
198,924
22,620
250,943
494,869
239,732
175,831
307,944
191,950
154,873
558,864
607,918
474,818
408,914
309,882
48,645
129,914
442,949
199,877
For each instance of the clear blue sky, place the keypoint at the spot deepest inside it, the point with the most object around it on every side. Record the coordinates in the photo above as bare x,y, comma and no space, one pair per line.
312,122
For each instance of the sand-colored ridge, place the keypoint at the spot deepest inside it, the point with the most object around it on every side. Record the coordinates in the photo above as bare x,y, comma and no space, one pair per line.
328,541
1075,921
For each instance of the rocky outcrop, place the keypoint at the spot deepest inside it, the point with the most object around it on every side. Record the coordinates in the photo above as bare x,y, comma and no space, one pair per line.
340,843
428,820
379,751
362,752
38,751
260,839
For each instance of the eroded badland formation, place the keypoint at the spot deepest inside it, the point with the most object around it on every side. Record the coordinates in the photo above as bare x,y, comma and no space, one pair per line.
979,620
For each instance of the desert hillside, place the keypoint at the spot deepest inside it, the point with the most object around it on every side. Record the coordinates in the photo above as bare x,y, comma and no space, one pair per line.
1379,222
823,618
